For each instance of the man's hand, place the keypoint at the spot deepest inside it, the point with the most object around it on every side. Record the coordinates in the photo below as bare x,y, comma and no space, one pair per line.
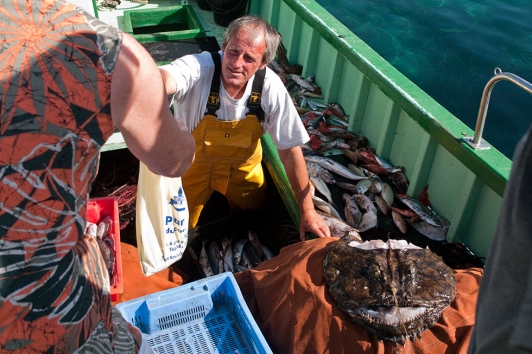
311,221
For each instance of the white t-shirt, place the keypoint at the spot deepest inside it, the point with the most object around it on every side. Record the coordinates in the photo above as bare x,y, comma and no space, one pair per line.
193,75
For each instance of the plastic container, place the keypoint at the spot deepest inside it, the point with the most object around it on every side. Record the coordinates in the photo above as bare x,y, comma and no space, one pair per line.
205,316
164,23
97,210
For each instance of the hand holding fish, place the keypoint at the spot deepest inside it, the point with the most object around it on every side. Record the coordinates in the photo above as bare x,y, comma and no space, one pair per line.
311,221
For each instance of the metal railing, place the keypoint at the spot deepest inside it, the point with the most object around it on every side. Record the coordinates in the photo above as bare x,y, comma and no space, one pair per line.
476,142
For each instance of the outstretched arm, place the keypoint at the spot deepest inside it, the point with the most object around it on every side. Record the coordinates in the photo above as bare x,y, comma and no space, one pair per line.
139,108
296,171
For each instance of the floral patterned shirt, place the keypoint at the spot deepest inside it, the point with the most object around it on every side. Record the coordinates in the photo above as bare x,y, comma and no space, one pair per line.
56,64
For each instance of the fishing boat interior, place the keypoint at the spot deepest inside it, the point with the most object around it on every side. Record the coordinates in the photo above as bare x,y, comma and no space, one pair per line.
430,180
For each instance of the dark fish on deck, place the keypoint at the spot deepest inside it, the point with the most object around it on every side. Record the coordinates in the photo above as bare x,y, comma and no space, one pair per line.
266,252
246,260
214,258
238,247
227,251
353,215
338,227
255,254
204,261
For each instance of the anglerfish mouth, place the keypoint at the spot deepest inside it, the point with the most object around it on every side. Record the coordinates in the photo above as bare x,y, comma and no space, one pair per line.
390,315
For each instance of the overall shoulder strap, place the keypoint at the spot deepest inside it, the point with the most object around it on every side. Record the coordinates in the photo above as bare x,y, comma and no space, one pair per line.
213,102
256,91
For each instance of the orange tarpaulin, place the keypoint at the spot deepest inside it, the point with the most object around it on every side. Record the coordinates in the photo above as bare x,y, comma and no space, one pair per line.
136,284
290,301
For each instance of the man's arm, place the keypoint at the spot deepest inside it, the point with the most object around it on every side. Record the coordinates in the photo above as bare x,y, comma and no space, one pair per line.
296,171
139,109
170,84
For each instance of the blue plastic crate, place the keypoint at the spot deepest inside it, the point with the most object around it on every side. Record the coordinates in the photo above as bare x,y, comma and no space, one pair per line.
206,316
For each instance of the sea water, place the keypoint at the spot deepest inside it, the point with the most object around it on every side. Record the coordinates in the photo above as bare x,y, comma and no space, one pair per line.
450,48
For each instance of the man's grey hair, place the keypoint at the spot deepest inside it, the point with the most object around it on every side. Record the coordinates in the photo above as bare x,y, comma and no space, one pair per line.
251,24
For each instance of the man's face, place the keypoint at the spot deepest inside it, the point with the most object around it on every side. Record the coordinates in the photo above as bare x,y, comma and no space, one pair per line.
242,58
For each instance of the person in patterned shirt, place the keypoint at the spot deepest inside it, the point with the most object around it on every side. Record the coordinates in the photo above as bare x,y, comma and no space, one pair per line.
66,80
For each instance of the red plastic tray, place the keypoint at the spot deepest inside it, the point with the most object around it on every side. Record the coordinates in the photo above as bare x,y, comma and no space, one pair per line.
97,210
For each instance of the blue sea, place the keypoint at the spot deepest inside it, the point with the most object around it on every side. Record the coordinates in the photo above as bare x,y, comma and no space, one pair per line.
450,48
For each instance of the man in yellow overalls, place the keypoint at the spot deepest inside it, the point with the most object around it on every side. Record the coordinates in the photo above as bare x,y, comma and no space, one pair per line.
227,116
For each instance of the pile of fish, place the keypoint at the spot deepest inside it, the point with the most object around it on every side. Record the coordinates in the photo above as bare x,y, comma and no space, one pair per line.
103,233
244,254
369,185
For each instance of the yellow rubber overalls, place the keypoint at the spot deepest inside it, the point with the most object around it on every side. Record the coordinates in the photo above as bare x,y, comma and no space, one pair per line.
228,156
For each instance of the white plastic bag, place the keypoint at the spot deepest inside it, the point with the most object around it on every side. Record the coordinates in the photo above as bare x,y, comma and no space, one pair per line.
161,220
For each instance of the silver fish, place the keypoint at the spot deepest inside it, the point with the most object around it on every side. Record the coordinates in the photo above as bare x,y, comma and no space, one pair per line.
424,213
90,229
315,105
221,262
324,206
333,120
238,247
246,261
268,254
227,251
255,241
320,135
335,167
103,227
240,268
214,257
353,215
364,185
321,187
302,101
384,163
347,186
430,231
335,144
311,94
369,220
387,193
303,83
204,262
254,254
314,169
338,227
364,203
363,172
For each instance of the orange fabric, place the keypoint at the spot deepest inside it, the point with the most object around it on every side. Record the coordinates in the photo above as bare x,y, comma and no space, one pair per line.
136,284
290,301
